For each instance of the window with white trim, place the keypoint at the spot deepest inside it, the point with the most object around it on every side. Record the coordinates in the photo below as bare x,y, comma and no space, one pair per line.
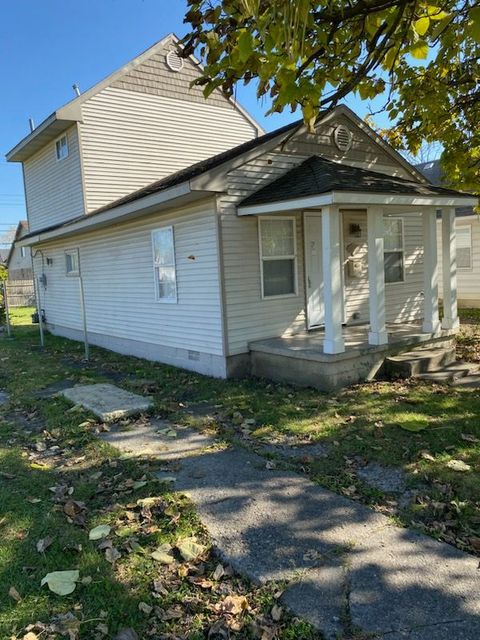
464,246
23,252
278,256
61,148
72,262
394,250
163,243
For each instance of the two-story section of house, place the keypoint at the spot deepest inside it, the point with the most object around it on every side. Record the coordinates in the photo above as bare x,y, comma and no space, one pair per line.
140,124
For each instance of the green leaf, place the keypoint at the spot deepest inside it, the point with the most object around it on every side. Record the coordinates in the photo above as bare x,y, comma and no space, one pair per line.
414,425
190,549
419,50
473,27
61,582
163,554
97,533
245,45
435,13
421,25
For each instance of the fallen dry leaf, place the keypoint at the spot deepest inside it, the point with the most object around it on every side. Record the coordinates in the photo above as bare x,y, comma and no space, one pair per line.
44,543
13,593
232,605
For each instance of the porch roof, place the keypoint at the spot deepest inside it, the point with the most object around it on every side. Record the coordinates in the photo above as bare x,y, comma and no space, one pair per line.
318,176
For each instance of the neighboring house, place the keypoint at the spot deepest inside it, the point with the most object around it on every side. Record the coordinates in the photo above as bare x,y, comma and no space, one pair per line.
167,227
467,224
19,261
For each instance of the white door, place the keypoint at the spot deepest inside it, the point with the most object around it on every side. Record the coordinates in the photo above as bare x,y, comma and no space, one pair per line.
314,269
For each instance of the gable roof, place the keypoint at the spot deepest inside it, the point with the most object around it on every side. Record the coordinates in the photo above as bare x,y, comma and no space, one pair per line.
203,178
20,232
317,175
65,116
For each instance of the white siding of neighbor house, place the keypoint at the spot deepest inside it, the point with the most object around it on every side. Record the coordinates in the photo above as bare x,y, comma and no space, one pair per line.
121,306
20,267
468,280
54,187
248,316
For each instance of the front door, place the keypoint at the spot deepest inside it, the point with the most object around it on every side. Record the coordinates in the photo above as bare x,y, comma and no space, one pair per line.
314,269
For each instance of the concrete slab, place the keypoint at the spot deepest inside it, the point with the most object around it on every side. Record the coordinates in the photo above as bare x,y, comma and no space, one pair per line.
159,438
107,402
320,597
347,567
388,479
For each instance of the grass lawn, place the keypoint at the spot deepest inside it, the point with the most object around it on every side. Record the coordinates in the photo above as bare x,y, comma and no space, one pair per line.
430,432
58,481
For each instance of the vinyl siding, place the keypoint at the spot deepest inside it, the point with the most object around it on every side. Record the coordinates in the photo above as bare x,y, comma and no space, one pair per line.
248,316
130,139
53,187
468,280
118,275
404,300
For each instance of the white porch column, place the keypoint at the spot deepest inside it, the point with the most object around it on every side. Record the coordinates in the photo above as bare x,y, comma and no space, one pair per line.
332,280
376,276
431,321
449,269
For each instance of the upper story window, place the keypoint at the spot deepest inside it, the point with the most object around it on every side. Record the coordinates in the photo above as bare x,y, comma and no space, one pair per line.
394,250
464,246
278,256
61,148
163,243
23,252
72,262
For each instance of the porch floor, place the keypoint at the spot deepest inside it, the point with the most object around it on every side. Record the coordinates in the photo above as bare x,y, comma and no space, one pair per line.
308,345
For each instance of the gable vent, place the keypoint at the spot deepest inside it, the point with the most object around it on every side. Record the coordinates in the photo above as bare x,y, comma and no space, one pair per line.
342,137
174,61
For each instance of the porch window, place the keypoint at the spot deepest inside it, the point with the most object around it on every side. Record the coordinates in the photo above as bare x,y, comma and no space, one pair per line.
394,250
164,264
464,246
278,254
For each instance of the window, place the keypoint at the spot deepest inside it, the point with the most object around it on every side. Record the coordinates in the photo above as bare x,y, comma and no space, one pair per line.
23,252
393,250
61,148
164,264
72,262
278,256
464,246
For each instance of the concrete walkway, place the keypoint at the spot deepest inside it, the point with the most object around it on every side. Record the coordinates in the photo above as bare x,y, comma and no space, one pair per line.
348,570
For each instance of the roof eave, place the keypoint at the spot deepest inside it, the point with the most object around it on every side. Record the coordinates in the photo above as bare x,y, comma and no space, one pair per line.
357,198
181,194
48,130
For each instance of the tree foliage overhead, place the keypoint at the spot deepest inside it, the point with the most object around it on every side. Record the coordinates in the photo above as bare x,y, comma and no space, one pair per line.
423,59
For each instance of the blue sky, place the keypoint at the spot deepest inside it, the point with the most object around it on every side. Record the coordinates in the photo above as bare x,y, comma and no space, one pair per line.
47,45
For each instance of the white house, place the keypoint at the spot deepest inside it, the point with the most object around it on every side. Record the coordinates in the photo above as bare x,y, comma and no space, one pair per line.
171,228
467,229
19,261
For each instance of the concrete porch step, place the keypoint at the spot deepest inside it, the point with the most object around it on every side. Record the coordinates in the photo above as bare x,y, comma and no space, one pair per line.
455,373
419,361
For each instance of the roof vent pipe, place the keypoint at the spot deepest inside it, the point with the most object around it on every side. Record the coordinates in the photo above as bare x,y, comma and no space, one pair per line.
76,89
32,124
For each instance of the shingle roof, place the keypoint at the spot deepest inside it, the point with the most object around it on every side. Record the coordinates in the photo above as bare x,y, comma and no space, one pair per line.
317,175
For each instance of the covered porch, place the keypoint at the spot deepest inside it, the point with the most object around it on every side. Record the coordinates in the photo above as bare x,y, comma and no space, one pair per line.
337,347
